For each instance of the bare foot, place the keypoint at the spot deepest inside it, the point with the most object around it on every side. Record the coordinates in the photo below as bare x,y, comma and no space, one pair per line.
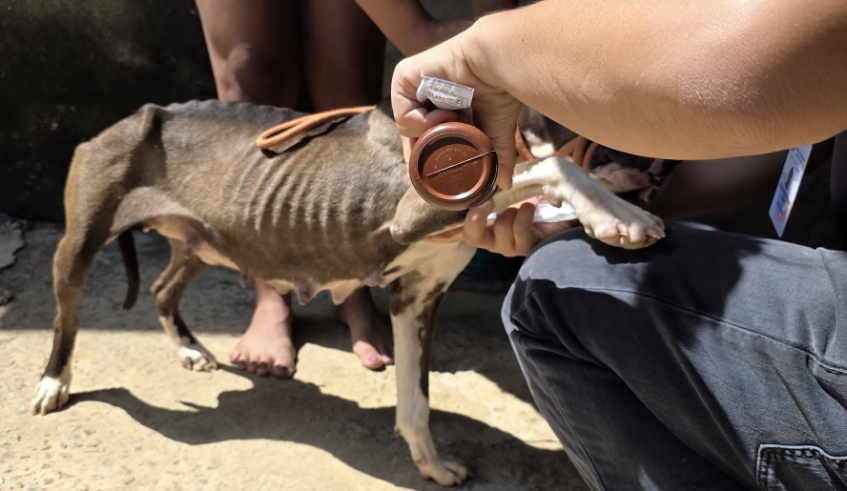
267,346
369,333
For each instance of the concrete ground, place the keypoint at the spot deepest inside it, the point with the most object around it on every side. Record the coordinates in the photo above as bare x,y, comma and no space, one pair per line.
138,420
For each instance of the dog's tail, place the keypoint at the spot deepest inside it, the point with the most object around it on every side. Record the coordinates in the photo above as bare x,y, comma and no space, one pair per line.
127,246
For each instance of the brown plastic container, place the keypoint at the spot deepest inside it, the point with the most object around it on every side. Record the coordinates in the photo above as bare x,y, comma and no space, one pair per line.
453,166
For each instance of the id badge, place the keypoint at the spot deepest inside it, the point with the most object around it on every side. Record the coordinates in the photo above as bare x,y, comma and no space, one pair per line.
789,184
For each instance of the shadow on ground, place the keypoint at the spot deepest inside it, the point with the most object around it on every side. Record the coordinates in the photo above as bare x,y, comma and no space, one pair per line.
299,412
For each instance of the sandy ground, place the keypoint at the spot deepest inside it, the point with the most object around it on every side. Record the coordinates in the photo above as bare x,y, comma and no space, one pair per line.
138,420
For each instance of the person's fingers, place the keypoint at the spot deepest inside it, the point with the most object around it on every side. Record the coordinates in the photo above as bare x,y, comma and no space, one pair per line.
496,112
525,236
419,119
408,143
476,222
504,238
439,116
513,233
404,87
454,235
412,117
503,141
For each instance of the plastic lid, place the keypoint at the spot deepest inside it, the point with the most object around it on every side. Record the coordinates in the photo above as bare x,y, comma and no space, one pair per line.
453,166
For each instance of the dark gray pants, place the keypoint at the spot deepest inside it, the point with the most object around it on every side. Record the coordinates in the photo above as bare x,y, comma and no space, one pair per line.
710,361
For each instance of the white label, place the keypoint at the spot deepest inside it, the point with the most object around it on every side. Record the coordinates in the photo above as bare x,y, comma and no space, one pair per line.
444,94
789,184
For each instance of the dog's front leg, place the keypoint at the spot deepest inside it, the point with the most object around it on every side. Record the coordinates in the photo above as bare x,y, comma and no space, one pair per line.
414,300
603,214
72,260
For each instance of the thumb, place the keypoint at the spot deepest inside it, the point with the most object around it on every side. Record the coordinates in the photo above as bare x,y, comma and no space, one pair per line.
503,141
499,121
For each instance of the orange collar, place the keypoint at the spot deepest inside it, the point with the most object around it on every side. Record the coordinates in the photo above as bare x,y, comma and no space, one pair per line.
272,137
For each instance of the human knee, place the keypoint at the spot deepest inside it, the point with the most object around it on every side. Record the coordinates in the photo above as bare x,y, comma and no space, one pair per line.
255,75
563,259
556,274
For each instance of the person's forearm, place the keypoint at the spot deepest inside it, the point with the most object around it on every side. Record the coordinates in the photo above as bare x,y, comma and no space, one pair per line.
400,23
408,25
663,78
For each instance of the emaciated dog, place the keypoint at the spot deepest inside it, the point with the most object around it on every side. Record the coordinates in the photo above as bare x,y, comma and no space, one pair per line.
333,212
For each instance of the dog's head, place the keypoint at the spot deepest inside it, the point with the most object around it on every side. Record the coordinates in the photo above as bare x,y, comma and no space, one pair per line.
633,177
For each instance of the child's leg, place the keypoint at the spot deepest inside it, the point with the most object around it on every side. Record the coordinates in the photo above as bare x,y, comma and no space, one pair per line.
343,55
343,66
253,50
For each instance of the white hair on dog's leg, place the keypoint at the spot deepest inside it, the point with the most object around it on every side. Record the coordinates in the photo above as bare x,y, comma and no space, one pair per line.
537,146
192,354
603,214
52,393
414,300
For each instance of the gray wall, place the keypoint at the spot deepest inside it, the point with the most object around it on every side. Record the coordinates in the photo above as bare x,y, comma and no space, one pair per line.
70,68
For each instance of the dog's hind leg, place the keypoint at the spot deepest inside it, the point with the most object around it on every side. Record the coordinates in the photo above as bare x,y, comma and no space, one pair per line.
72,260
168,290
413,302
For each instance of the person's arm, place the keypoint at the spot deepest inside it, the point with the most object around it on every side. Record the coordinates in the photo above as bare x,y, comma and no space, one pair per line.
674,79
682,80
409,26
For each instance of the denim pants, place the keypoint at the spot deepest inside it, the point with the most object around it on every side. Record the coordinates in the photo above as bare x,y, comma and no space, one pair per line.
709,361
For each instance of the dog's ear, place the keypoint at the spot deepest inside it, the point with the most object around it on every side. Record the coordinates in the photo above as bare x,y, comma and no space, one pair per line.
415,219
145,125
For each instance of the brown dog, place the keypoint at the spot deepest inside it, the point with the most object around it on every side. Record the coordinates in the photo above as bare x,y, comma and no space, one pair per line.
333,212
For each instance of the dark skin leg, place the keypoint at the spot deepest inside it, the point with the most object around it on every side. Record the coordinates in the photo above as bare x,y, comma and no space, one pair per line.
343,55
345,69
253,48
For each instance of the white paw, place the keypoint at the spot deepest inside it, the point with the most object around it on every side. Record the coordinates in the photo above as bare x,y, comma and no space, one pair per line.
604,215
622,224
196,357
51,394
444,472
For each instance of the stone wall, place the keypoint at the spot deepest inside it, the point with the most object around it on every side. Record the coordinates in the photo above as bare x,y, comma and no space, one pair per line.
70,68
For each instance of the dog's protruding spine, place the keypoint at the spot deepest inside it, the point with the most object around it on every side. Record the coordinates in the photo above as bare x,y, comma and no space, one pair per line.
126,244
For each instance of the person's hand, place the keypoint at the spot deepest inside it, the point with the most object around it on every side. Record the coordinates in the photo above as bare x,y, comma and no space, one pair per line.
512,234
495,111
